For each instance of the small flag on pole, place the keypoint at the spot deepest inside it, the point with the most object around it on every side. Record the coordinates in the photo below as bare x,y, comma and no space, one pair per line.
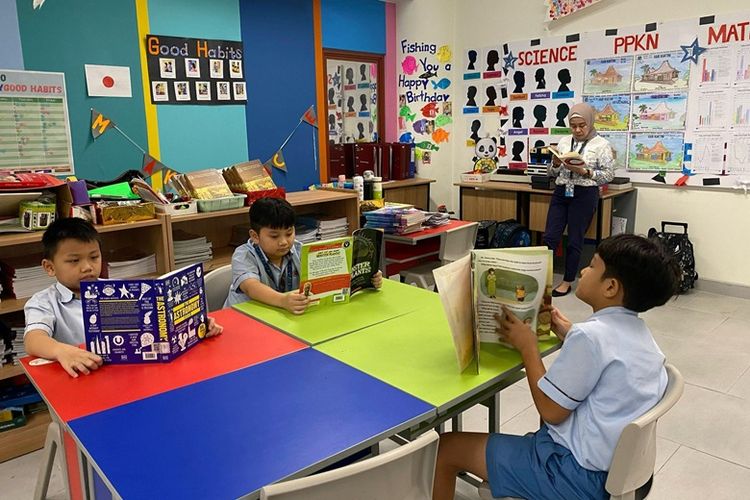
99,123
310,117
276,161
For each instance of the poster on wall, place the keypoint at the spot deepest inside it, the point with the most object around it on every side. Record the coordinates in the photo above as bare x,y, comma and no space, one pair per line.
195,70
561,8
35,134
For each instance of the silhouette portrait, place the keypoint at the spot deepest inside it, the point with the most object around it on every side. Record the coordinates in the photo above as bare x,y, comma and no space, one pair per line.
540,113
471,93
562,113
541,83
361,128
518,148
349,76
331,94
491,95
519,78
472,59
492,58
350,104
539,143
564,76
331,122
517,116
475,126
363,72
363,102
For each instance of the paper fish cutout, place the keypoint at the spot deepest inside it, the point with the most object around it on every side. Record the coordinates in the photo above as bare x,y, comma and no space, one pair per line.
440,135
405,112
444,54
427,145
424,126
443,120
429,110
406,138
443,84
428,74
409,65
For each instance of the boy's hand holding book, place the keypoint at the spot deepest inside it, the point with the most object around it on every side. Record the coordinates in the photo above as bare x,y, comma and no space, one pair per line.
295,302
75,360
560,324
515,332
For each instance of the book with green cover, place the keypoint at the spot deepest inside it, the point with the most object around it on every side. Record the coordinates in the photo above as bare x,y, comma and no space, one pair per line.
325,271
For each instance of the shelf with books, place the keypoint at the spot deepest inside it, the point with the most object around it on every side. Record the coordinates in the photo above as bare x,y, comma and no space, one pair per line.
30,437
8,371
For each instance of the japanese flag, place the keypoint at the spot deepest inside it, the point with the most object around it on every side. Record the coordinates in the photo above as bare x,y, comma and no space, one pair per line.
108,81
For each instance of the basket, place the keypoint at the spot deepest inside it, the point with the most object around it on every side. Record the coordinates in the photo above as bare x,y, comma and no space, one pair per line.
223,203
278,192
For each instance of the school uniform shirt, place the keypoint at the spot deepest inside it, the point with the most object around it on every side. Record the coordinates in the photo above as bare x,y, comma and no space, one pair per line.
248,263
609,372
58,312
597,153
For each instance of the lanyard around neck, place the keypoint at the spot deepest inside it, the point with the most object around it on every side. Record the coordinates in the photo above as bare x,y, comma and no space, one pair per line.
285,279
581,148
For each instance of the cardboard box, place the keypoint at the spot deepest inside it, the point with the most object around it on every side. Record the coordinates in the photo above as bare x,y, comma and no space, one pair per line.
475,177
119,212
36,215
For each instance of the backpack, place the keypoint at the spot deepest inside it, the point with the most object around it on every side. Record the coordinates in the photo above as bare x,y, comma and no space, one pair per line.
484,233
680,246
509,234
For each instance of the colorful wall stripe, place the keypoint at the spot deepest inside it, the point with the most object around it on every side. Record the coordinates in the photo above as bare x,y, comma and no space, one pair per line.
320,90
152,121
10,38
390,89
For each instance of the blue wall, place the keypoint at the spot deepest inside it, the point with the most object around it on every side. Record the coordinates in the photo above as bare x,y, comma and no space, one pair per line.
10,38
353,25
279,47
193,137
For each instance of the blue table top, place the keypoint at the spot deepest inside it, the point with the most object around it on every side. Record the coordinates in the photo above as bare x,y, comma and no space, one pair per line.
231,435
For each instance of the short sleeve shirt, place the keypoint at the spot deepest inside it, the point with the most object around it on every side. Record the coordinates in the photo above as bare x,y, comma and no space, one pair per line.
58,312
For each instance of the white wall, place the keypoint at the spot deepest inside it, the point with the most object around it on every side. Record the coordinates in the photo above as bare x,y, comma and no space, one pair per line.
719,220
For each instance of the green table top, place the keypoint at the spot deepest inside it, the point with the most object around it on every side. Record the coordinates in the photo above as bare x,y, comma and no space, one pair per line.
415,353
366,308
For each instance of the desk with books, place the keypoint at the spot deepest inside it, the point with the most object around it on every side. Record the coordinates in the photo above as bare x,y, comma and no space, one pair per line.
514,200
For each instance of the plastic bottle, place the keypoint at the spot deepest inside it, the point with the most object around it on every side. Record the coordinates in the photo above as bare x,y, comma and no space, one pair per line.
342,181
377,188
359,186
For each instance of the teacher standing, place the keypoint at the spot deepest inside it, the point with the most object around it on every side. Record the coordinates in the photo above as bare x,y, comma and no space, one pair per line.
576,194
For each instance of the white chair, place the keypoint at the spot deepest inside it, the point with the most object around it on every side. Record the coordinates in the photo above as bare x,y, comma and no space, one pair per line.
454,244
632,469
406,472
217,286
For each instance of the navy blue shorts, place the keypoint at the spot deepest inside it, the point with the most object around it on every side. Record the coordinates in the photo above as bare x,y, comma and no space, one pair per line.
535,467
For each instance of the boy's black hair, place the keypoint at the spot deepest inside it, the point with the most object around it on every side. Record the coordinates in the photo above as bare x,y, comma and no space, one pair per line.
73,228
272,213
648,273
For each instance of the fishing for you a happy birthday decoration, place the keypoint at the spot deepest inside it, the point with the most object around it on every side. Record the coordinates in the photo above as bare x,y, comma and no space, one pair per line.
425,108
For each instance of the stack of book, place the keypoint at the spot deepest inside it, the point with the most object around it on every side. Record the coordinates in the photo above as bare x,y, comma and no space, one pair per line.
436,219
18,350
326,227
305,233
248,176
129,263
620,184
23,276
190,249
396,220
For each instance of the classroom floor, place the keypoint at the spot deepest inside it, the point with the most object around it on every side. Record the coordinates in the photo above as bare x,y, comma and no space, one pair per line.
703,449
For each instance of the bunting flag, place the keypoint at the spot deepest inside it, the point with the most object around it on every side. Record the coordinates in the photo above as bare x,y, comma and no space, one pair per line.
682,180
660,177
276,161
99,123
151,165
310,117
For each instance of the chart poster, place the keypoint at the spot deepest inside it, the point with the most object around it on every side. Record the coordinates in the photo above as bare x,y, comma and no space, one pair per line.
35,129
195,70
655,152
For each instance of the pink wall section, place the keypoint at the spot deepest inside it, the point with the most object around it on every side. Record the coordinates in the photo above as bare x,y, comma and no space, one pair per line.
391,99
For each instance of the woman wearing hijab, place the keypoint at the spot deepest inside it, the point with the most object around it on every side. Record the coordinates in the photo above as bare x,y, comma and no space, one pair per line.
576,194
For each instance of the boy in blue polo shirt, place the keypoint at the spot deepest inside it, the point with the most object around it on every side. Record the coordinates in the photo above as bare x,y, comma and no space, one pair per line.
54,316
266,268
609,372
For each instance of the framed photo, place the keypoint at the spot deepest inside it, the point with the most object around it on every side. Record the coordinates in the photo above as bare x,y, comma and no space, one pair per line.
182,91
239,91
217,68
203,91
166,68
222,91
192,67
235,69
159,91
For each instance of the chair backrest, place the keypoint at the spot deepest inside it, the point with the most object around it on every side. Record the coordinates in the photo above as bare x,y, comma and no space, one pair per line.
405,473
457,243
217,286
635,454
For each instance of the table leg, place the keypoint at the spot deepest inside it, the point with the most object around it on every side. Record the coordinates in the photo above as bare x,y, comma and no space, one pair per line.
86,478
493,405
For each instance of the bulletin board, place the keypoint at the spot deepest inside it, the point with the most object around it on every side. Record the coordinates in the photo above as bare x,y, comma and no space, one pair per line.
672,98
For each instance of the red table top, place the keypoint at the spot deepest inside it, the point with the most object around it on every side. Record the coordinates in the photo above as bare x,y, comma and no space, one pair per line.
412,238
244,342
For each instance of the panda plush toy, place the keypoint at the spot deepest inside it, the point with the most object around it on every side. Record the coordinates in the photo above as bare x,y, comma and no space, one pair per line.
485,155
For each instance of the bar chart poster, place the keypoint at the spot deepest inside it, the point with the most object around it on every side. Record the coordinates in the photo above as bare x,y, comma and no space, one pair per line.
707,156
742,66
712,110
34,130
741,109
738,154
715,67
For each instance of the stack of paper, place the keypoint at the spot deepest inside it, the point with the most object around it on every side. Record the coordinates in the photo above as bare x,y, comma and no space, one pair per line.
395,220
326,227
190,249
128,263
24,276
18,349
436,219
305,233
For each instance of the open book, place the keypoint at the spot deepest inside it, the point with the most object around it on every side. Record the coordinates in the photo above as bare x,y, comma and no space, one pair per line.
332,270
474,288
145,320
571,158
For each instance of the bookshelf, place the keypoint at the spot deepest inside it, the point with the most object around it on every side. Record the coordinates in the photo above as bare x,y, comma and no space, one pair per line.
414,191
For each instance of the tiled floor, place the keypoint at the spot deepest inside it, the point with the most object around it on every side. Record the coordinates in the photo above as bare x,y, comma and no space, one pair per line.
703,449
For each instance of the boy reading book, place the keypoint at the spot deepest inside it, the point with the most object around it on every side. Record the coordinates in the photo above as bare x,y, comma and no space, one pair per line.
267,267
54,316
609,372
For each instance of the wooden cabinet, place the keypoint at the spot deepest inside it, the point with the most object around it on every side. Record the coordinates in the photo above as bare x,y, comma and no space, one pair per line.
411,191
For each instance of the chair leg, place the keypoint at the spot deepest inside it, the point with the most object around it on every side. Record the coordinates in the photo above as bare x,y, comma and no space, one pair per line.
457,423
52,446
